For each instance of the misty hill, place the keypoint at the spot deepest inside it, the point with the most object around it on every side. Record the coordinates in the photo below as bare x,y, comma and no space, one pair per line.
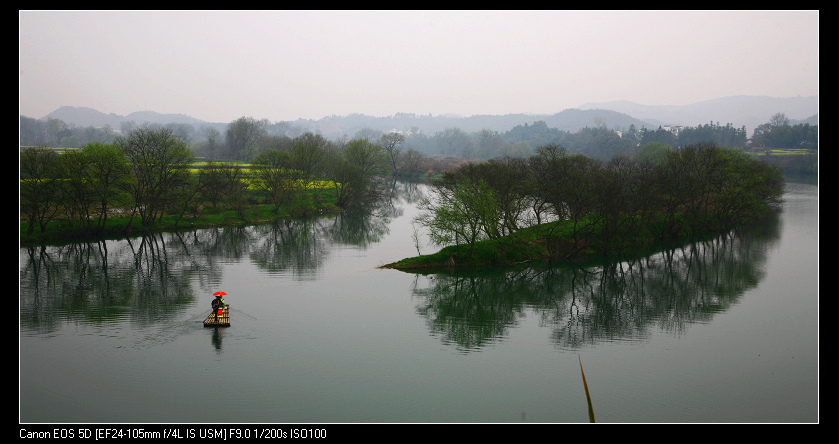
84,117
748,111
571,120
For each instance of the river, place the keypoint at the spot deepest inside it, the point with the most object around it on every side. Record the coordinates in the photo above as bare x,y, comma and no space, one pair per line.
724,330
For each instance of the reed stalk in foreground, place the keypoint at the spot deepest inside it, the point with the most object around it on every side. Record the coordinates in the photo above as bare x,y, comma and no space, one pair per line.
585,386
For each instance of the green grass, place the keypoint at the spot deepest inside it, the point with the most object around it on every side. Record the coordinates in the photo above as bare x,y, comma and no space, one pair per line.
526,245
550,242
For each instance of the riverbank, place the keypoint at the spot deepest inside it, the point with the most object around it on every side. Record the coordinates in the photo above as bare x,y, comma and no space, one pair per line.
546,243
526,245
120,226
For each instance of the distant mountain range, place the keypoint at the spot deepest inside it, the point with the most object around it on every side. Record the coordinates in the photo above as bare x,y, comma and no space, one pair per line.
84,117
748,111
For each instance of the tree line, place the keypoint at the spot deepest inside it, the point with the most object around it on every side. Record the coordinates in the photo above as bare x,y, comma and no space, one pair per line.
244,138
581,204
148,172
152,172
778,133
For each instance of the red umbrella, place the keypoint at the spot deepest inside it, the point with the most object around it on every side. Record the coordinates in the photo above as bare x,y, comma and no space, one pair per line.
219,293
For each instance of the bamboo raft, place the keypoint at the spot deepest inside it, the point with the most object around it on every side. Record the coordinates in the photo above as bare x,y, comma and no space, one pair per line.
222,321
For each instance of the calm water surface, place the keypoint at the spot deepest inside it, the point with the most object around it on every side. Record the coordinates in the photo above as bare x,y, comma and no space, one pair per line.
719,331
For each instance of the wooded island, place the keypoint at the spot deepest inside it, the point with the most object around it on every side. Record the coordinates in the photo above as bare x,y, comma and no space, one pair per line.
558,206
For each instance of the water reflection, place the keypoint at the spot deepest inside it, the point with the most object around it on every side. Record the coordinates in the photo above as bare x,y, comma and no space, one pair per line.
102,282
622,301
120,321
218,334
149,279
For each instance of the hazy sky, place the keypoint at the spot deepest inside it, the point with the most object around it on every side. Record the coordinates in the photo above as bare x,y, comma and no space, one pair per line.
283,65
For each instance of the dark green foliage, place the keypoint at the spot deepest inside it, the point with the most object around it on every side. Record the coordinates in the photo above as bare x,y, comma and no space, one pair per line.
723,136
798,136
597,209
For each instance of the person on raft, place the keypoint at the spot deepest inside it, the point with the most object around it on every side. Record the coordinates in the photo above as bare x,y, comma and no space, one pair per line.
218,304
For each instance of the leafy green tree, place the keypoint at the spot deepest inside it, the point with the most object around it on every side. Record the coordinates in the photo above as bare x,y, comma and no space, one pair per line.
369,157
507,179
748,190
457,211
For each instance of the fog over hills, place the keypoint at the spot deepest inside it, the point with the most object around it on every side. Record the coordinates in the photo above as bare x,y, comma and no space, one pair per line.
83,117
748,111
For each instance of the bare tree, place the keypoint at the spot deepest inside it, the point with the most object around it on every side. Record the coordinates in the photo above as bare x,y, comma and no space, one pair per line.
778,119
159,164
390,142
39,190
212,136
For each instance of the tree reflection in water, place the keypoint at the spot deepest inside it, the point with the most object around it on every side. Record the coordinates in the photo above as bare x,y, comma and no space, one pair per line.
149,279
620,301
